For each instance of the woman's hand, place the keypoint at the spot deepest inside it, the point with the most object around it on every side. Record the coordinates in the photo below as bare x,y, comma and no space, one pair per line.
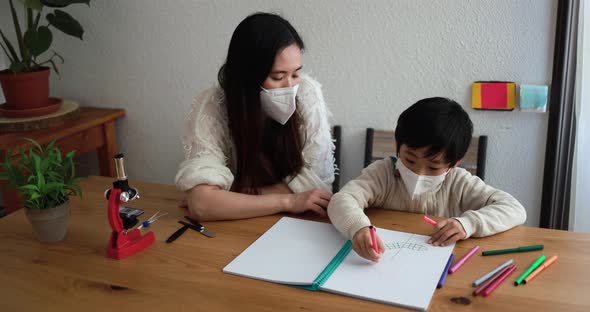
447,232
315,200
363,245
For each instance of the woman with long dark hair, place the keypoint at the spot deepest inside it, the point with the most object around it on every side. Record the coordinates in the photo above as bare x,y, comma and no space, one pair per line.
259,143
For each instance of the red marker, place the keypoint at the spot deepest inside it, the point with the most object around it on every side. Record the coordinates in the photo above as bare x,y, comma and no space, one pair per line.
428,220
490,280
374,239
498,281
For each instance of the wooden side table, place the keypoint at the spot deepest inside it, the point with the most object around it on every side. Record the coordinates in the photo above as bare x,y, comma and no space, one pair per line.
94,130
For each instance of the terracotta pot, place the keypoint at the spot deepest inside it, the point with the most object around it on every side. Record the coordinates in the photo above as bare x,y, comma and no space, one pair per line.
25,90
50,225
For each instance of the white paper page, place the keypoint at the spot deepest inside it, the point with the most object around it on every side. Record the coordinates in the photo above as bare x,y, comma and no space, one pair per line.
292,251
406,275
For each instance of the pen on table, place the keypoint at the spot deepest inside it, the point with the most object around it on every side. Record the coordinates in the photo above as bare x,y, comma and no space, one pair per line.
541,267
510,250
529,270
498,281
177,234
456,267
428,220
374,239
445,272
490,280
482,279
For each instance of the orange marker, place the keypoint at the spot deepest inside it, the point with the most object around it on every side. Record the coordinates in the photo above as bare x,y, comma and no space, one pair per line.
542,267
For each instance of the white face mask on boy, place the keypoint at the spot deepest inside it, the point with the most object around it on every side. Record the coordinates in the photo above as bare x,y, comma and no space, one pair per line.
418,184
279,103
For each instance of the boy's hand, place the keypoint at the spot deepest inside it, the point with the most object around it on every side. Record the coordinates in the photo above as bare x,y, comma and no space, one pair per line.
447,232
362,244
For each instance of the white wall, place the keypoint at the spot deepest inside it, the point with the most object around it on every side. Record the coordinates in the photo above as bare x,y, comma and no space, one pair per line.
580,200
374,59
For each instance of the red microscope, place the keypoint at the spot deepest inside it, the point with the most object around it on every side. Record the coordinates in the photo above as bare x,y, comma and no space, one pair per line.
123,242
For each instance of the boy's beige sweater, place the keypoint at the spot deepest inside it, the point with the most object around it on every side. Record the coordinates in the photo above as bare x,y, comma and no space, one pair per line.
480,208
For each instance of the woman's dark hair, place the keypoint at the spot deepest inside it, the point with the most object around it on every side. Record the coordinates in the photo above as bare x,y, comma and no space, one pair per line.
439,123
267,151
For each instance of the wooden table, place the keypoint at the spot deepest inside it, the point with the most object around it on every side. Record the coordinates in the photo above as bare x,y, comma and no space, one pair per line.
94,130
186,275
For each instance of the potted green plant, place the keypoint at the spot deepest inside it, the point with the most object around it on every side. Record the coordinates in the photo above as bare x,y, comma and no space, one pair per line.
46,180
26,82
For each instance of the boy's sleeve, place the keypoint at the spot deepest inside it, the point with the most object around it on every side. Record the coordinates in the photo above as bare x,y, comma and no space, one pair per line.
485,210
370,189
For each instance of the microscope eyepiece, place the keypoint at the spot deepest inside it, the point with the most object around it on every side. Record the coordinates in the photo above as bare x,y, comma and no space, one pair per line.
120,167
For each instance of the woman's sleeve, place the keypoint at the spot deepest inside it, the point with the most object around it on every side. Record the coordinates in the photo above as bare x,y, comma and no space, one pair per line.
318,150
205,150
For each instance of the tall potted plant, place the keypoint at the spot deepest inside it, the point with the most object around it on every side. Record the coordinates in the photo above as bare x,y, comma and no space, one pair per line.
26,82
46,180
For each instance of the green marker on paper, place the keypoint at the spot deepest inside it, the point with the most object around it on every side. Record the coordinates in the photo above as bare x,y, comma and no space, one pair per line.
509,250
530,269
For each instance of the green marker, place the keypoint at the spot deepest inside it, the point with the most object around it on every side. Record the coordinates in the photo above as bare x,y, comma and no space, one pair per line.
530,269
509,250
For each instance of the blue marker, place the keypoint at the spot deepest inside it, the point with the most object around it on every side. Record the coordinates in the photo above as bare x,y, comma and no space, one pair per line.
445,272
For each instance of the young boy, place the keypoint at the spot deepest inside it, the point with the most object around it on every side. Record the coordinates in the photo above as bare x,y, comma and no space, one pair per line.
432,136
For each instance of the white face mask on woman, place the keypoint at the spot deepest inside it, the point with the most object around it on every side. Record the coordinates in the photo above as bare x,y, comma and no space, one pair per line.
418,184
279,103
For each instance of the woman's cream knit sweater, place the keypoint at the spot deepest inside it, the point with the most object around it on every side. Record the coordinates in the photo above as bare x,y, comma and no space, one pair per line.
210,153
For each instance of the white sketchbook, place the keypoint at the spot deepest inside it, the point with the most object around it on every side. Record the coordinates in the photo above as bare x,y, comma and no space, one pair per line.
315,256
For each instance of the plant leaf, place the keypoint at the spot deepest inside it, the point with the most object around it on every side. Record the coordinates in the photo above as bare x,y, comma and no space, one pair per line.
63,3
19,34
37,18
41,183
40,177
23,156
51,146
39,40
61,59
17,67
37,145
54,66
34,4
36,162
66,23
29,18
52,186
30,187
71,154
6,52
10,48
55,54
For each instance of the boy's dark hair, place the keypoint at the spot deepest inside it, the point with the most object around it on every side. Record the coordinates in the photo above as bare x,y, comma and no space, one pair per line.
439,123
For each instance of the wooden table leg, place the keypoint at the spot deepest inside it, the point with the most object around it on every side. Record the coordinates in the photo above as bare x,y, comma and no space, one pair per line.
108,151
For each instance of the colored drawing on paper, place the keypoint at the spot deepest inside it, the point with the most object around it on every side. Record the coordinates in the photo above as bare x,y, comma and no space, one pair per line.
407,245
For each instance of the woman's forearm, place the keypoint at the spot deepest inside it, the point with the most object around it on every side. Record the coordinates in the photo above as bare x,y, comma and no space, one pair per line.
207,202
